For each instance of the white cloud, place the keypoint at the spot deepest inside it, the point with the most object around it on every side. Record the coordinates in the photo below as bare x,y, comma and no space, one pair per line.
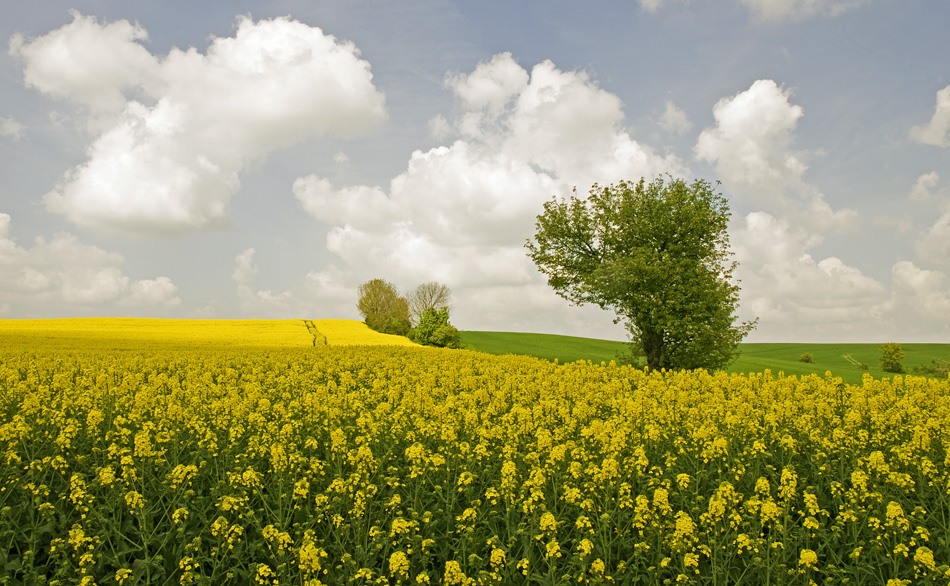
439,127
934,245
492,85
751,141
245,269
185,127
341,158
674,119
88,63
154,291
12,128
794,10
461,213
791,291
777,10
751,146
652,5
937,131
922,299
798,297
320,294
64,273
923,185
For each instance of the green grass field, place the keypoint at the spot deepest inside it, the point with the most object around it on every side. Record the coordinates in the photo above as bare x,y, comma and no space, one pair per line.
753,357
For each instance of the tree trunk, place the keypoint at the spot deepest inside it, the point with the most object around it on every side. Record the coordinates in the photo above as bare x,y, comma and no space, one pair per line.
653,349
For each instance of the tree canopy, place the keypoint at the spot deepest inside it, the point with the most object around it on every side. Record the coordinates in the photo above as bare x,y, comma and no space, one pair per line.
431,295
658,255
383,309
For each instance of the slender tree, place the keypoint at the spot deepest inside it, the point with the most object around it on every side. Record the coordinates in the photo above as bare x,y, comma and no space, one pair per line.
658,255
431,295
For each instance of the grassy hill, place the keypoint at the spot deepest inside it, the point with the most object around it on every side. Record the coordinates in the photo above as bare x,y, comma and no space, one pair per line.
753,357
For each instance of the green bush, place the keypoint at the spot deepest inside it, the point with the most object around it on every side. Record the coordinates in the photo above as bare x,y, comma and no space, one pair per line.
434,329
447,336
806,358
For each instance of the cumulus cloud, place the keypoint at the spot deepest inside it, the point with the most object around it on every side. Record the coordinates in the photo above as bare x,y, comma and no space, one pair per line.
674,119
460,213
751,141
922,297
325,293
439,127
652,5
777,10
810,299
923,185
244,268
751,146
934,245
154,291
245,271
937,131
185,127
64,273
12,128
492,85
794,10
784,285
89,63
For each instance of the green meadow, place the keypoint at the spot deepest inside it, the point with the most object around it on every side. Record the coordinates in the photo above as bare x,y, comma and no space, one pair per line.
842,360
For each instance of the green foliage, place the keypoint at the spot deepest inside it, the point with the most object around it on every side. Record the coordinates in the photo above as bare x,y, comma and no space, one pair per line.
892,357
383,309
658,255
434,329
806,358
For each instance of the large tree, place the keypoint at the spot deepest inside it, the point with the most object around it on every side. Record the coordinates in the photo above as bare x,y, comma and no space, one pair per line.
658,255
383,309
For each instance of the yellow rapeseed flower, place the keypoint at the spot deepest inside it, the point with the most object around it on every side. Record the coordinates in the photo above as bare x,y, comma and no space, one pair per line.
807,558
399,564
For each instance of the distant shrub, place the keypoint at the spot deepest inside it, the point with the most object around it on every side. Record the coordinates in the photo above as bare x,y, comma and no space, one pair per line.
434,329
938,368
806,358
892,357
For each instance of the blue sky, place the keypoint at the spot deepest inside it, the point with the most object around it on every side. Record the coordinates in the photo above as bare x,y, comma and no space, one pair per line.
261,159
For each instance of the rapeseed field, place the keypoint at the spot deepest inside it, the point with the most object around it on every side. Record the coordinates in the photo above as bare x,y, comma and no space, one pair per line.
346,332
306,464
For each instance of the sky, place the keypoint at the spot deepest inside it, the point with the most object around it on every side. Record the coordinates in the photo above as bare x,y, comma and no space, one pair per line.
262,159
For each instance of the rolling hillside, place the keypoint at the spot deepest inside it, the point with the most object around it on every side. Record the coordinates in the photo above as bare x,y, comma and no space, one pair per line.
752,358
